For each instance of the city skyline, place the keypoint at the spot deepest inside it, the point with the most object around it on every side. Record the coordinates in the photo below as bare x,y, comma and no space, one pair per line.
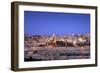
47,23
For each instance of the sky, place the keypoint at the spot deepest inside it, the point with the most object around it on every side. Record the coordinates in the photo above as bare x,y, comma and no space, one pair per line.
47,23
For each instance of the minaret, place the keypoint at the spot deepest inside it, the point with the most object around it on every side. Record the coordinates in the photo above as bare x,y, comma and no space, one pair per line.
53,40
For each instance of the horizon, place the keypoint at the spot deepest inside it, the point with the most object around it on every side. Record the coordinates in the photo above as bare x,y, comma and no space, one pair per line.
55,34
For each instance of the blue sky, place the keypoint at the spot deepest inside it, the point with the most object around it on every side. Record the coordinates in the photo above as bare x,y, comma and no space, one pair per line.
47,23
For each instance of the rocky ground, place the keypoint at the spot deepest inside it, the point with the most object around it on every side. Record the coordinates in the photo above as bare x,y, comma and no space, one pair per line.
56,53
